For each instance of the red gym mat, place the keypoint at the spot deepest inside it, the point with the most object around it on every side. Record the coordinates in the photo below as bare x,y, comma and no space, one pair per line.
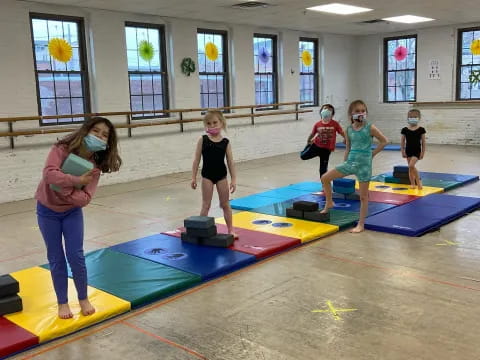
14,338
390,198
252,242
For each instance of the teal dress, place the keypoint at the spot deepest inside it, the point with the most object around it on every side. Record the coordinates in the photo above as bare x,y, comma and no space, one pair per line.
359,160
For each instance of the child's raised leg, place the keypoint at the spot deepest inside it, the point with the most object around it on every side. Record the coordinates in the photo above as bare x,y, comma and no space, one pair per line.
363,207
207,194
327,188
224,197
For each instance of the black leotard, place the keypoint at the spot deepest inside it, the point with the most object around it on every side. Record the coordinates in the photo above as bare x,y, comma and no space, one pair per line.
213,153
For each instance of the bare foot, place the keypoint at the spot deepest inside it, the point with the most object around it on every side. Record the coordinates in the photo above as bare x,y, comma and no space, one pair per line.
64,311
413,187
235,236
327,207
87,307
419,183
357,229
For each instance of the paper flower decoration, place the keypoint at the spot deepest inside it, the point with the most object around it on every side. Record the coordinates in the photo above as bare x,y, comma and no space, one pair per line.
264,56
474,77
211,51
475,47
400,53
188,66
146,50
306,58
60,50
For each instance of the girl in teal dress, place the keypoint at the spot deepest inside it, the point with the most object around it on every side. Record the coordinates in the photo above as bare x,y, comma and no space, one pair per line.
358,158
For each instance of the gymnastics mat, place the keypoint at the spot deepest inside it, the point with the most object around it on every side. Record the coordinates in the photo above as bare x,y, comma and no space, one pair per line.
252,242
205,261
269,197
423,215
391,147
310,186
14,338
134,279
390,198
440,180
299,229
40,313
401,189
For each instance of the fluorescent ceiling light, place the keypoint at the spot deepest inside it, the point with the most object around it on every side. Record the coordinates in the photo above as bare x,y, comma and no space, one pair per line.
341,9
408,19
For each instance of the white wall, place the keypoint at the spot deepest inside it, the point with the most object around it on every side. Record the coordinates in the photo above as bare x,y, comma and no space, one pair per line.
160,150
452,124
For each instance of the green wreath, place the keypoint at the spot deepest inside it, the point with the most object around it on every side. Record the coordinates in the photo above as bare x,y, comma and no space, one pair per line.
188,66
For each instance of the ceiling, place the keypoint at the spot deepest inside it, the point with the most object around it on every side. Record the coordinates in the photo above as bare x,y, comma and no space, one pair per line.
291,14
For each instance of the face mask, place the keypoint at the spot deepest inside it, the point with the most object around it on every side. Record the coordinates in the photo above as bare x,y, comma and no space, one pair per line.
326,114
359,117
213,131
413,121
93,143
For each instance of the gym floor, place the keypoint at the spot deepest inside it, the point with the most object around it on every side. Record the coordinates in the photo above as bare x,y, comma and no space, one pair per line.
409,298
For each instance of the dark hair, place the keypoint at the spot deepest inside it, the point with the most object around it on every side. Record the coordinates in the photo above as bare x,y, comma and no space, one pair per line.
108,160
328,106
353,104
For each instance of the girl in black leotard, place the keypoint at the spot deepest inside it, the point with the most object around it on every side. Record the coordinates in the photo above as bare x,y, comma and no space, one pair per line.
413,146
213,148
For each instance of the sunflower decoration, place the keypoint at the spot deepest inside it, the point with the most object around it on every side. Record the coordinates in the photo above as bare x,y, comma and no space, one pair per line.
307,58
60,50
211,51
475,47
146,50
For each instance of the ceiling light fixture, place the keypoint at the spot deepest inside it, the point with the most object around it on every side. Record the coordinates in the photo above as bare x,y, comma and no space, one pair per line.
339,9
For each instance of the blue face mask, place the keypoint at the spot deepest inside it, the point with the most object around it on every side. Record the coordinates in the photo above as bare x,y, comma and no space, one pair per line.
94,144
326,114
413,121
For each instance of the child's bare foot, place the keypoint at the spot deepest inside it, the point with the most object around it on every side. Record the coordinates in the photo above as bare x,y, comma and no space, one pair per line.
419,183
357,229
235,236
327,207
413,187
64,311
87,307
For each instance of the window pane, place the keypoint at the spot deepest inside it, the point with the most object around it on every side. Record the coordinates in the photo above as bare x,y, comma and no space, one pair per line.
308,71
468,62
401,58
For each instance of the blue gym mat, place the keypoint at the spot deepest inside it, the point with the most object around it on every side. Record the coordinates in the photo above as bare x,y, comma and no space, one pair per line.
269,197
422,215
310,186
443,180
347,205
205,261
392,147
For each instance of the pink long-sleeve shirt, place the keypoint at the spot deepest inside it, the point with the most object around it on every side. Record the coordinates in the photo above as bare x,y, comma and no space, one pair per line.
69,197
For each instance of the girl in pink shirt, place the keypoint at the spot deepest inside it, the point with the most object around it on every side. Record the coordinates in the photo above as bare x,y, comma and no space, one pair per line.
59,213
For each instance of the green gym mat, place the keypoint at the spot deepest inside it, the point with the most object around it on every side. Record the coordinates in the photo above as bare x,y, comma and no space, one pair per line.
444,184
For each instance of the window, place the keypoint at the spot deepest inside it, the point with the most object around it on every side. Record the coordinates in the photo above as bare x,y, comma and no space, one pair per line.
147,70
400,69
265,64
62,81
308,60
468,64
213,68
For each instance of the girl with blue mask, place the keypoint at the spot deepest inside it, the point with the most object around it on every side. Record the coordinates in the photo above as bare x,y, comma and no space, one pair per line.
321,141
413,146
59,212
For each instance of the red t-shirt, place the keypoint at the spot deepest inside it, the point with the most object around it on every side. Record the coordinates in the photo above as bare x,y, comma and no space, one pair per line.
326,134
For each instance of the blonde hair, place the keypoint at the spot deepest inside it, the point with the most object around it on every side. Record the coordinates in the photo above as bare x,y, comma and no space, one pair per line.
211,114
415,111
353,104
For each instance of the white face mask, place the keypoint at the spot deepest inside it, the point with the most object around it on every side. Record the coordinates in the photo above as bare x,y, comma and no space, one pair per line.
359,117
413,121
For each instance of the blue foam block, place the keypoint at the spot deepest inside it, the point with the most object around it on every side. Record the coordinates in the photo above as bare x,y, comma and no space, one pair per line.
344,183
400,169
205,261
310,186
422,215
347,205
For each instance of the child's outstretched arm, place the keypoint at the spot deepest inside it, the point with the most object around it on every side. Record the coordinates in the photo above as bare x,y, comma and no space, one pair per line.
422,154
196,163
231,169
382,139
402,146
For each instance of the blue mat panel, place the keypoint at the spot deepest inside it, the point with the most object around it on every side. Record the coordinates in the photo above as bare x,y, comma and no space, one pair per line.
347,205
391,147
250,202
422,215
269,197
310,186
205,261
449,177
446,181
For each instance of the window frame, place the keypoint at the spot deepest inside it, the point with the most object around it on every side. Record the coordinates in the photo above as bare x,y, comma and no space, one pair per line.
316,82
164,71
458,80
84,73
226,68
385,68
274,72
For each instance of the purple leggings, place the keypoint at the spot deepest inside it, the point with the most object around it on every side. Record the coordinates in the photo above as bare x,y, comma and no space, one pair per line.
69,224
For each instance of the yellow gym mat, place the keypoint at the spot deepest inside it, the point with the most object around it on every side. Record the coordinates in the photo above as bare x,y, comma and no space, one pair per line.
293,228
40,315
401,189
